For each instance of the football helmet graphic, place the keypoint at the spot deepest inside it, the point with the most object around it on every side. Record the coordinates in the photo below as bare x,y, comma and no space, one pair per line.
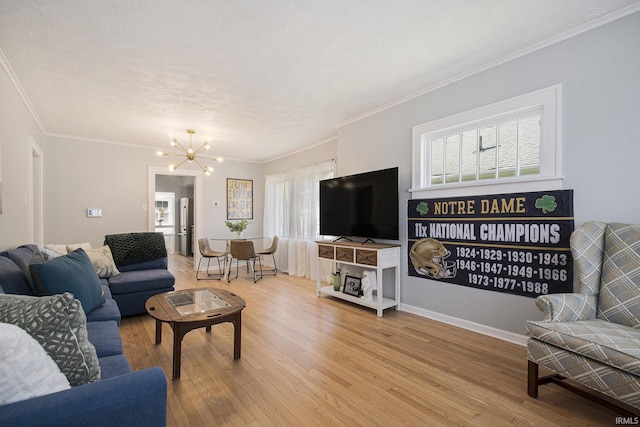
428,258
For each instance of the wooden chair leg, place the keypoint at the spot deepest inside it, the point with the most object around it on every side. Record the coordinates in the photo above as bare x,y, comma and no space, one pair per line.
532,379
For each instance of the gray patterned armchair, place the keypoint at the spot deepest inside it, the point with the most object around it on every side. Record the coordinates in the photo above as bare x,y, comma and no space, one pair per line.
593,337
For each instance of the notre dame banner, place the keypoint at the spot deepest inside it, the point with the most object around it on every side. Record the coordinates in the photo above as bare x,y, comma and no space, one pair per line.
513,243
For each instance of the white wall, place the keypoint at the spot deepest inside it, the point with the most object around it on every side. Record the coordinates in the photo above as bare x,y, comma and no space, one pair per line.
600,123
16,127
85,174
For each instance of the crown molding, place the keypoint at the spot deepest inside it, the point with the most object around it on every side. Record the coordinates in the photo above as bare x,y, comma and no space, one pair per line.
130,145
102,141
541,45
18,87
301,150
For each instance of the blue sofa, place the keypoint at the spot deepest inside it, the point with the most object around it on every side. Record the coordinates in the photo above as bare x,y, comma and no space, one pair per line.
142,261
121,397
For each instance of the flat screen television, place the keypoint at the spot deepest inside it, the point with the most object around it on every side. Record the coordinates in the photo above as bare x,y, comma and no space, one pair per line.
361,205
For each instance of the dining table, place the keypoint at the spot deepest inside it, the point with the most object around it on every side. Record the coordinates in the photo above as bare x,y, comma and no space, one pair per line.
227,240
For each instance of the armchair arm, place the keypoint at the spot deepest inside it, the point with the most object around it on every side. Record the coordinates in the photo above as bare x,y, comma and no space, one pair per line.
567,307
134,399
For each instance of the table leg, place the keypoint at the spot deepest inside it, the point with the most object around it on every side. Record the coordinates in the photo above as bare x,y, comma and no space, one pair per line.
178,334
237,335
158,332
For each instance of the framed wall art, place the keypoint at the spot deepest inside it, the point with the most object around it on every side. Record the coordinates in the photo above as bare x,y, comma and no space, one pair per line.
239,198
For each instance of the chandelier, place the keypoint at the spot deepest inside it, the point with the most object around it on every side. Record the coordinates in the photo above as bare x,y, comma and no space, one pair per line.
190,154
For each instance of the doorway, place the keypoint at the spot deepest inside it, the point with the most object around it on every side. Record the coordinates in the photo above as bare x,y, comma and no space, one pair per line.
183,184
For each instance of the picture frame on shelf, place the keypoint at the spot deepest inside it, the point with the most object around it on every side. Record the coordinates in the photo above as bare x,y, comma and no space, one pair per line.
352,286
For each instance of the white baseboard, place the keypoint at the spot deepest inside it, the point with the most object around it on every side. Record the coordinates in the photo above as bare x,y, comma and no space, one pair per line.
466,324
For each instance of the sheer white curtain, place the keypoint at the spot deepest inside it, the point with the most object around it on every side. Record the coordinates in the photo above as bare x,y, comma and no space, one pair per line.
291,212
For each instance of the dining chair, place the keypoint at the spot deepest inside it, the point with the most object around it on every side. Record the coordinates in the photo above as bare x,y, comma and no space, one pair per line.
243,250
207,253
270,251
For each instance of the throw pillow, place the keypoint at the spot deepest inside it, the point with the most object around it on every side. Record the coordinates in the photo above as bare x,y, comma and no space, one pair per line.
37,258
72,273
49,254
102,261
26,370
59,249
84,246
60,326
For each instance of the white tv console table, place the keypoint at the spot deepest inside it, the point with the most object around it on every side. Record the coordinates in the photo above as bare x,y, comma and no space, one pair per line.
376,256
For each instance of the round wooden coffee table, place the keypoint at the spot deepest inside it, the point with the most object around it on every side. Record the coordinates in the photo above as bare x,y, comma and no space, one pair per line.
191,309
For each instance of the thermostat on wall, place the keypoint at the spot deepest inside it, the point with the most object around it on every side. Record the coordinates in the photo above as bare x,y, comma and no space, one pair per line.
94,213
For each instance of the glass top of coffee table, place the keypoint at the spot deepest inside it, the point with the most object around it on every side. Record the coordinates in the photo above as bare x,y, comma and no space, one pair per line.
196,302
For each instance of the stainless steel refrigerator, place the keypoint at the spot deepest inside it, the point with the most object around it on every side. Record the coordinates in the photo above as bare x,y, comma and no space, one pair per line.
186,225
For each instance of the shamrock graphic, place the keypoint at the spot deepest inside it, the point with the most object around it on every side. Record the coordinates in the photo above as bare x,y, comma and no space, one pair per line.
422,208
546,203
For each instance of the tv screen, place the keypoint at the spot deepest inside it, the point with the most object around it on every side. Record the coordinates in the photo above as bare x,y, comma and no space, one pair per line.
362,205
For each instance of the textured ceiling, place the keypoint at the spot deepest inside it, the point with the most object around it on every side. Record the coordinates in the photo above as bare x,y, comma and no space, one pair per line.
261,78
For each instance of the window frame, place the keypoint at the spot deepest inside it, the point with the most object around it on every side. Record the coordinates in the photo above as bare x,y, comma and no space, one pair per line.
547,99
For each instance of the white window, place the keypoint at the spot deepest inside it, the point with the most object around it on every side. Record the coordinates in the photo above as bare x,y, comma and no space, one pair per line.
165,209
510,142
292,212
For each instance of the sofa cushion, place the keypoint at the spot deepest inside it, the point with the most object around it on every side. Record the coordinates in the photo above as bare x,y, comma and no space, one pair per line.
26,370
102,262
105,288
72,273
112,366
58,323
105,337
140,280
107,311
154,264
609,343
14,280
619,300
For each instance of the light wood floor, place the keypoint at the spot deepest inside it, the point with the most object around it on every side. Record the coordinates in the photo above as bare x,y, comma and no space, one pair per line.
309,361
